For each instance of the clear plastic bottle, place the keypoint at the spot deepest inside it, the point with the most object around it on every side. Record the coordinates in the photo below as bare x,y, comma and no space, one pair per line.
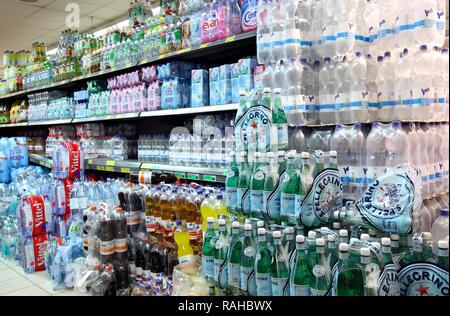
359,93
439,230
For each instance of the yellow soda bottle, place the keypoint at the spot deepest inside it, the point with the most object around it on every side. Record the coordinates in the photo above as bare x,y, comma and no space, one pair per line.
207,210
183,239
220,207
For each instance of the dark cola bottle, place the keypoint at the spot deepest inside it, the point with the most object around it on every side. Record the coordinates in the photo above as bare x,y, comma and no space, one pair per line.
131,256
140,259
106,237
120,234
134,215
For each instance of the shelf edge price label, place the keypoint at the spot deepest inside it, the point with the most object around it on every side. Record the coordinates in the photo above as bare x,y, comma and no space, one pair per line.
90,162
109,169
125,170
203,46
100,168
180,175
193,176
48,165
147,166
210,178
110,163
230,39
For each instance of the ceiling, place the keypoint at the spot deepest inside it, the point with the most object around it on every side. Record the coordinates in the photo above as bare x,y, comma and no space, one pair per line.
23,22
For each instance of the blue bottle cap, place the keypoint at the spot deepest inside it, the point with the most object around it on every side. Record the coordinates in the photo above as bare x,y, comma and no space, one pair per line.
444,211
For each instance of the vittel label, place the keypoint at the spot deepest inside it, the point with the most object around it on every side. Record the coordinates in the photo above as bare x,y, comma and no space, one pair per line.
323,199
263,284
256,119
387,203
423,279
280,286
389,282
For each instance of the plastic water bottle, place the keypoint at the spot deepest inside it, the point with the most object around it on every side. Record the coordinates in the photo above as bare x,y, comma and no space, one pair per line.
327,93
309,92
388,15
263,36
396,142
346,26
372,25
292,35
361,28
372,88
404,80
359,93
303,21
439,230
276,31
404,24
342,75
386,87
440,78
424,160
375,151
422,92
327,41
425,31
294,101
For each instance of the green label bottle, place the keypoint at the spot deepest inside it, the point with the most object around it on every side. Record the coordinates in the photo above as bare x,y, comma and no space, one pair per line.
350,280
257,185
301,276
279,119
243,189
306,171
371,273
263,261
389,281
234,260
231,185
248,280
208,251
289,187
319,165
221,258
321,270
280,267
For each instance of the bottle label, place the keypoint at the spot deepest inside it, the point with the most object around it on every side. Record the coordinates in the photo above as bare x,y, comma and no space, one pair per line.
298,204
139,273
263,284
299,290
439,170
107,247
358,99
74,204
287,204
243,195
258,120
221,273
323,198
327,103
234,274
388,281
423,279
280,286
341,100
422,96
316,292
283,138
272,202
208,267
82,203
150,223
388,203
120,245
257,201
231,198
248,280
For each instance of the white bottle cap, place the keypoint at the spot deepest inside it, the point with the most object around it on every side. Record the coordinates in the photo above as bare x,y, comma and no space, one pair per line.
343,247
385,241
331,238
248,227
270,155
266,90
395,237
320,242
365,252
243,154
260,224
376,245
235,225
300,238
312,234
289,230
222,222
291,154
261,231
210,220
305,155
343,233
336,214
242,92
426,236
281,153
336,225
247,221
443,244
372,232
333,154
277,91
364,237
257,154
277,234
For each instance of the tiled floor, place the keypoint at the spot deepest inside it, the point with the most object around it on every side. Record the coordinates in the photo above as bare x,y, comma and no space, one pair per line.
14,282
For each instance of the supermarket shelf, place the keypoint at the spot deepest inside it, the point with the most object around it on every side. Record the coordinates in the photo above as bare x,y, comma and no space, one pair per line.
50,122
216,175
187,53
197,110
125,116
13,125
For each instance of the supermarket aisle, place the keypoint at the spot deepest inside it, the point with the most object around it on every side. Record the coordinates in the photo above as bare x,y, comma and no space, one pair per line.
14,282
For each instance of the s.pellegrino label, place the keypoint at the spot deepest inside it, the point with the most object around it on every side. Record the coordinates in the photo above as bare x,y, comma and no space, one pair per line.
388,282
234,274
221,273
263,284
423,279
231,198
257,119
280,286
299,290
388,202
208,267
316,292
323,198
248,280
243,197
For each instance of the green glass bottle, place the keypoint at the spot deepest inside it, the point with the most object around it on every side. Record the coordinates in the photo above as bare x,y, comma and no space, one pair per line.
350,280
280,267
299,197
248,280
311,249
301,276
319,165
234,260
272,190
290,185
257,185
370,272
373,236
289,233
355,256
395,244
375,258
221,258
332,164
279,119
343,236
306,171
389,282
243,189
321,280
442,260
263,261
281,162
331,251
208,251
231,184
417,250
243,107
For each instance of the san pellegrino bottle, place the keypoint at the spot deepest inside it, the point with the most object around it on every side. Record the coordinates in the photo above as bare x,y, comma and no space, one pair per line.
234,260
442,260
395,244
301,276
306,171
221,258
427,246
280,267
272,190
389,277
257,185
243,189
332,164
370,272
311,248
321,281
263,262
417,250
248,280
319,162
291,246
279,119
243,106
232,184
299,197
350,280
331,250
375,258
289,187
343,236
208,250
